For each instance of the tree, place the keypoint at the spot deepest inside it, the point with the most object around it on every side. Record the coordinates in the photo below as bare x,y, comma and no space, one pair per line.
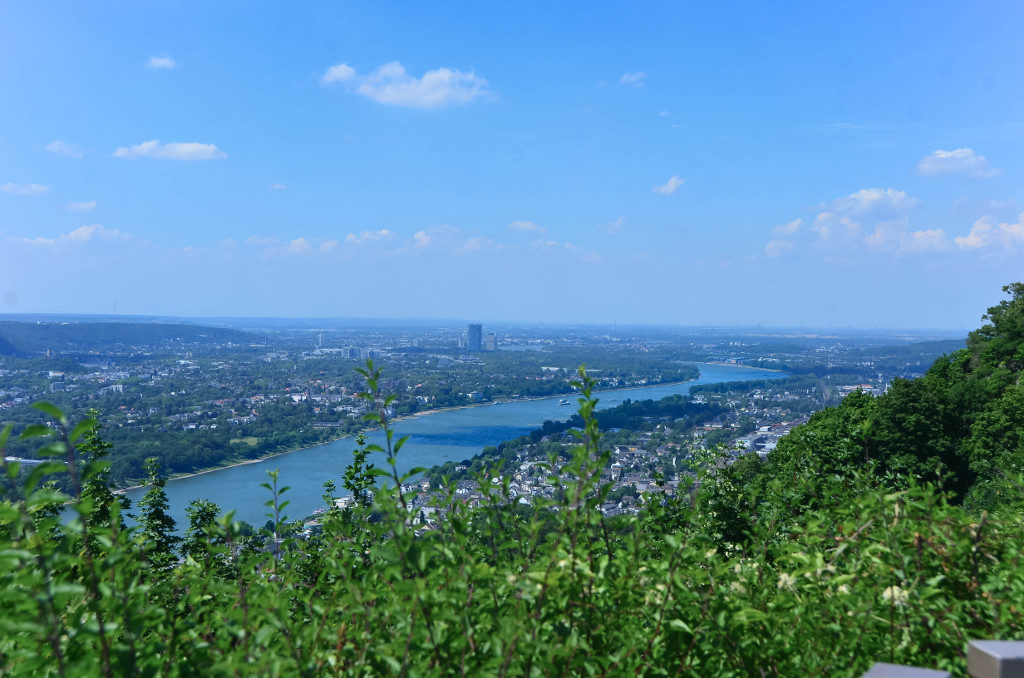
155,537
96,492
359,475
203,533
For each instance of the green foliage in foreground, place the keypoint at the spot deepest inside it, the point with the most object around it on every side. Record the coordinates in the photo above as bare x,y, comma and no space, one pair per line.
903,577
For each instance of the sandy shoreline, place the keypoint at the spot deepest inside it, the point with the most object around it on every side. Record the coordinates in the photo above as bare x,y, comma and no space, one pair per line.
424,413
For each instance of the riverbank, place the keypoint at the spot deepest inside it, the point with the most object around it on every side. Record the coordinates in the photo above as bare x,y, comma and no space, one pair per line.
454,434
746,367
405,417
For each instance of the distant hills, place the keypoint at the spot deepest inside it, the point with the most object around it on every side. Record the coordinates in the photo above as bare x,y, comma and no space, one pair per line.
21,339
7,348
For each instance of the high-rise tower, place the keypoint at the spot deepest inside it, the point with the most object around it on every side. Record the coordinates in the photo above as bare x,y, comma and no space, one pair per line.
476,337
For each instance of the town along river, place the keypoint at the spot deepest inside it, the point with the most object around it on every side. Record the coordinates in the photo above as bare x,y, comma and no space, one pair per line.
447,435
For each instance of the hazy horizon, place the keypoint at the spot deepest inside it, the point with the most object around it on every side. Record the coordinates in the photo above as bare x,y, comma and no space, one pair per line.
457,323
773,165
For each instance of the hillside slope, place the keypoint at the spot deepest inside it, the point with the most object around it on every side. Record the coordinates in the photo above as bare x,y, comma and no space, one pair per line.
961,425
37,337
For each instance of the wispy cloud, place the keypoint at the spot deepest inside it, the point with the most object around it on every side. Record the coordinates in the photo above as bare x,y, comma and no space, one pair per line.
634,78
526,226
789,228
875,202
613,227
161,62
82,206
81,235
556,247
277,187
477,243
187,150
421,239
670,186
902,241
776,248
959,161
64,148
368,236
391,84
24,189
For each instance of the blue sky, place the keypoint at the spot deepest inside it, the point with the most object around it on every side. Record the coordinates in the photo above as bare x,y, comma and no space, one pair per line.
713,163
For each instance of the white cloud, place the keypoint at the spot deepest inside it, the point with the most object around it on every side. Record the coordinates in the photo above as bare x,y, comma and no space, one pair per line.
526,226
635,78
990,232
477,243
24,189
188,150
368,236
80,235
871,219
421,238
928,240
159,62
338,73
961,160
788,229
776,248
553,246
670,186
277,187
64,148
875,202
830,226
901,241
391,84
614,227
294,248
82,206
299,246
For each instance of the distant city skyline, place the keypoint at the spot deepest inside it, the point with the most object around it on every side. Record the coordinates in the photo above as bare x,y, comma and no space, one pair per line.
458,326
777,165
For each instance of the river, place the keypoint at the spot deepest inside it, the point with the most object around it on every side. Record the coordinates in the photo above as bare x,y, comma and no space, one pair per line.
448,435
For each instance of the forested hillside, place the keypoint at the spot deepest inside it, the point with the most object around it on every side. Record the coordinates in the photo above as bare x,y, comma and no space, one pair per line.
886,529
36,338
961,426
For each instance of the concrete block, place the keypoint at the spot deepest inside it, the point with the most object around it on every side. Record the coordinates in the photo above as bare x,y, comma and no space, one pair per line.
995,658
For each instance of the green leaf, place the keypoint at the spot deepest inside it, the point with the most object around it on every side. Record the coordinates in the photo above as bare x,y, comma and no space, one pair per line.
51,410
35,430
82,427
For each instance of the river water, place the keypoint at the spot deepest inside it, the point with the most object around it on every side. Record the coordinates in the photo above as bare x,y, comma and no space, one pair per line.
451,435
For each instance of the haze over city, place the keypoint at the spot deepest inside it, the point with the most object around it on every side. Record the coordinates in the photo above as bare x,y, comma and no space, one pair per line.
572,163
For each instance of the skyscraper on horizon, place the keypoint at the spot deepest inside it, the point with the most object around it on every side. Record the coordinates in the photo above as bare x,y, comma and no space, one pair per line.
475,337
